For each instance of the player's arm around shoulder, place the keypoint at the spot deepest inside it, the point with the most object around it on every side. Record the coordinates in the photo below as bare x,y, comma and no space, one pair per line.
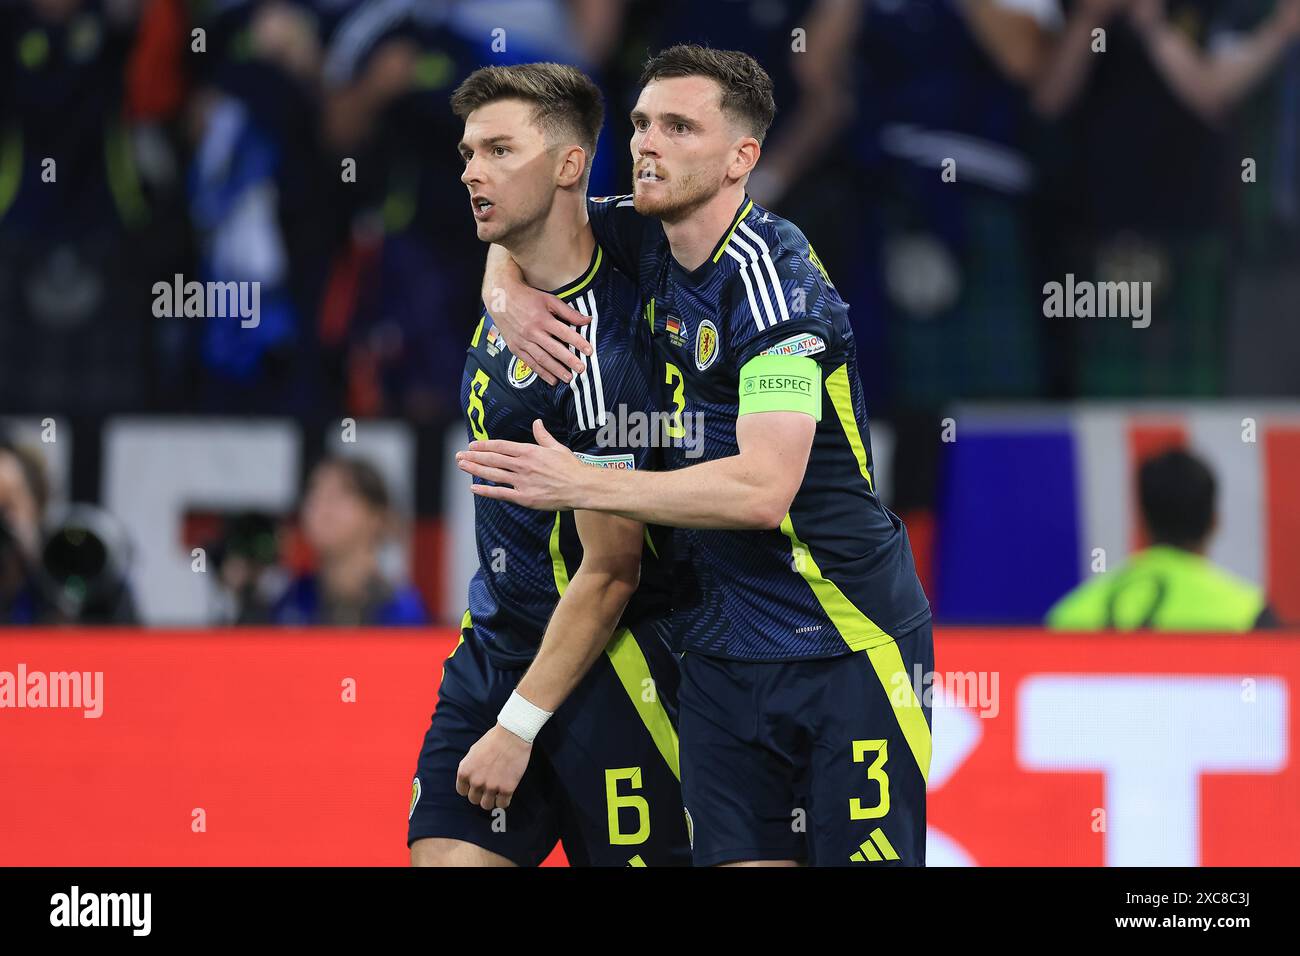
779,407
538,326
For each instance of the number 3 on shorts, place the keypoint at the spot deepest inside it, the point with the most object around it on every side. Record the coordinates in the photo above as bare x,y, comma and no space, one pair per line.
875,772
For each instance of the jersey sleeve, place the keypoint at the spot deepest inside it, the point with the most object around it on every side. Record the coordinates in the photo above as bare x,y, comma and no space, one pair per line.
619,229
608,410
780,302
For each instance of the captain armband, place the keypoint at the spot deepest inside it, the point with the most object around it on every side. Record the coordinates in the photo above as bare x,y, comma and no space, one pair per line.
781,383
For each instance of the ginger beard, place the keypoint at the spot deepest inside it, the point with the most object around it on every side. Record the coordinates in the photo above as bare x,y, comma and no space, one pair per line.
682,137
673,197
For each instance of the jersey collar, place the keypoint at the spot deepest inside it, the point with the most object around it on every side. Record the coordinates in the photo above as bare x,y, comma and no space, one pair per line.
570,289
697,275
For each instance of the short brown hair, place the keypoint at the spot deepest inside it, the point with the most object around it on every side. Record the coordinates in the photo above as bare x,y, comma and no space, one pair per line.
565,100
362,478
746,87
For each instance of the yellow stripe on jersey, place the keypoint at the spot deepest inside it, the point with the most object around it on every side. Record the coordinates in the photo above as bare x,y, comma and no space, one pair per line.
897,682
857,630
633,672
558,566
861,633
478,331
586,281
837,387
465,623
739,219
630,665
813,258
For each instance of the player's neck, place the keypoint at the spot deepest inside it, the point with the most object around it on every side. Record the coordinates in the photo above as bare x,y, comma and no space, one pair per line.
560,249
693,237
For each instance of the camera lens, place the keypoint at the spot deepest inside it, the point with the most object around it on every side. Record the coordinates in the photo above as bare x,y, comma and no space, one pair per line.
75,558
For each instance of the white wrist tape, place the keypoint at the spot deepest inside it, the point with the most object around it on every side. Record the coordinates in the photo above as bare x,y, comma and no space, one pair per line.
522,718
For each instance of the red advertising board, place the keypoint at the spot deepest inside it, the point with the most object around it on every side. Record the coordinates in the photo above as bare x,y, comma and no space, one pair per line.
1119,750
291,747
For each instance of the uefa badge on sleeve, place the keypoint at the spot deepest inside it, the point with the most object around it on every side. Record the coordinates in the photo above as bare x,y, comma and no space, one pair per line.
415,797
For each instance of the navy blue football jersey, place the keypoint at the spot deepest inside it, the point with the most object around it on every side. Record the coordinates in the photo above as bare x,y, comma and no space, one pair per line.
527,556
838,575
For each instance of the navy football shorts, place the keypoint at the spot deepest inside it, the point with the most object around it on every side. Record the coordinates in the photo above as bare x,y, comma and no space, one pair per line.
603,775
822,761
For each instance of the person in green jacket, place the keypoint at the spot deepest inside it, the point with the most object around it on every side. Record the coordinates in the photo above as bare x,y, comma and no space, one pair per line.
1171,585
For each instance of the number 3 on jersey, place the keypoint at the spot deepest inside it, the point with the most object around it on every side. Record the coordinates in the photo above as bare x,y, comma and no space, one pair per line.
476,413
673,377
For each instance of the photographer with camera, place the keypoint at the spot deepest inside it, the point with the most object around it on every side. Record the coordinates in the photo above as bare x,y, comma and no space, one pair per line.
69,567
24,493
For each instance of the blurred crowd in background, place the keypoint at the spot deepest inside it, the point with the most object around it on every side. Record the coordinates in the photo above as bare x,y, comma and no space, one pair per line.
308,145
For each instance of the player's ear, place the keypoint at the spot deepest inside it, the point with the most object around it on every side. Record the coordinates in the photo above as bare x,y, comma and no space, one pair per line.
746,157
573,163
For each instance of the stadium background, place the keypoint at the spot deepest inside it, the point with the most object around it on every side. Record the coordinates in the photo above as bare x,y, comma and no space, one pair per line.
1005,439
